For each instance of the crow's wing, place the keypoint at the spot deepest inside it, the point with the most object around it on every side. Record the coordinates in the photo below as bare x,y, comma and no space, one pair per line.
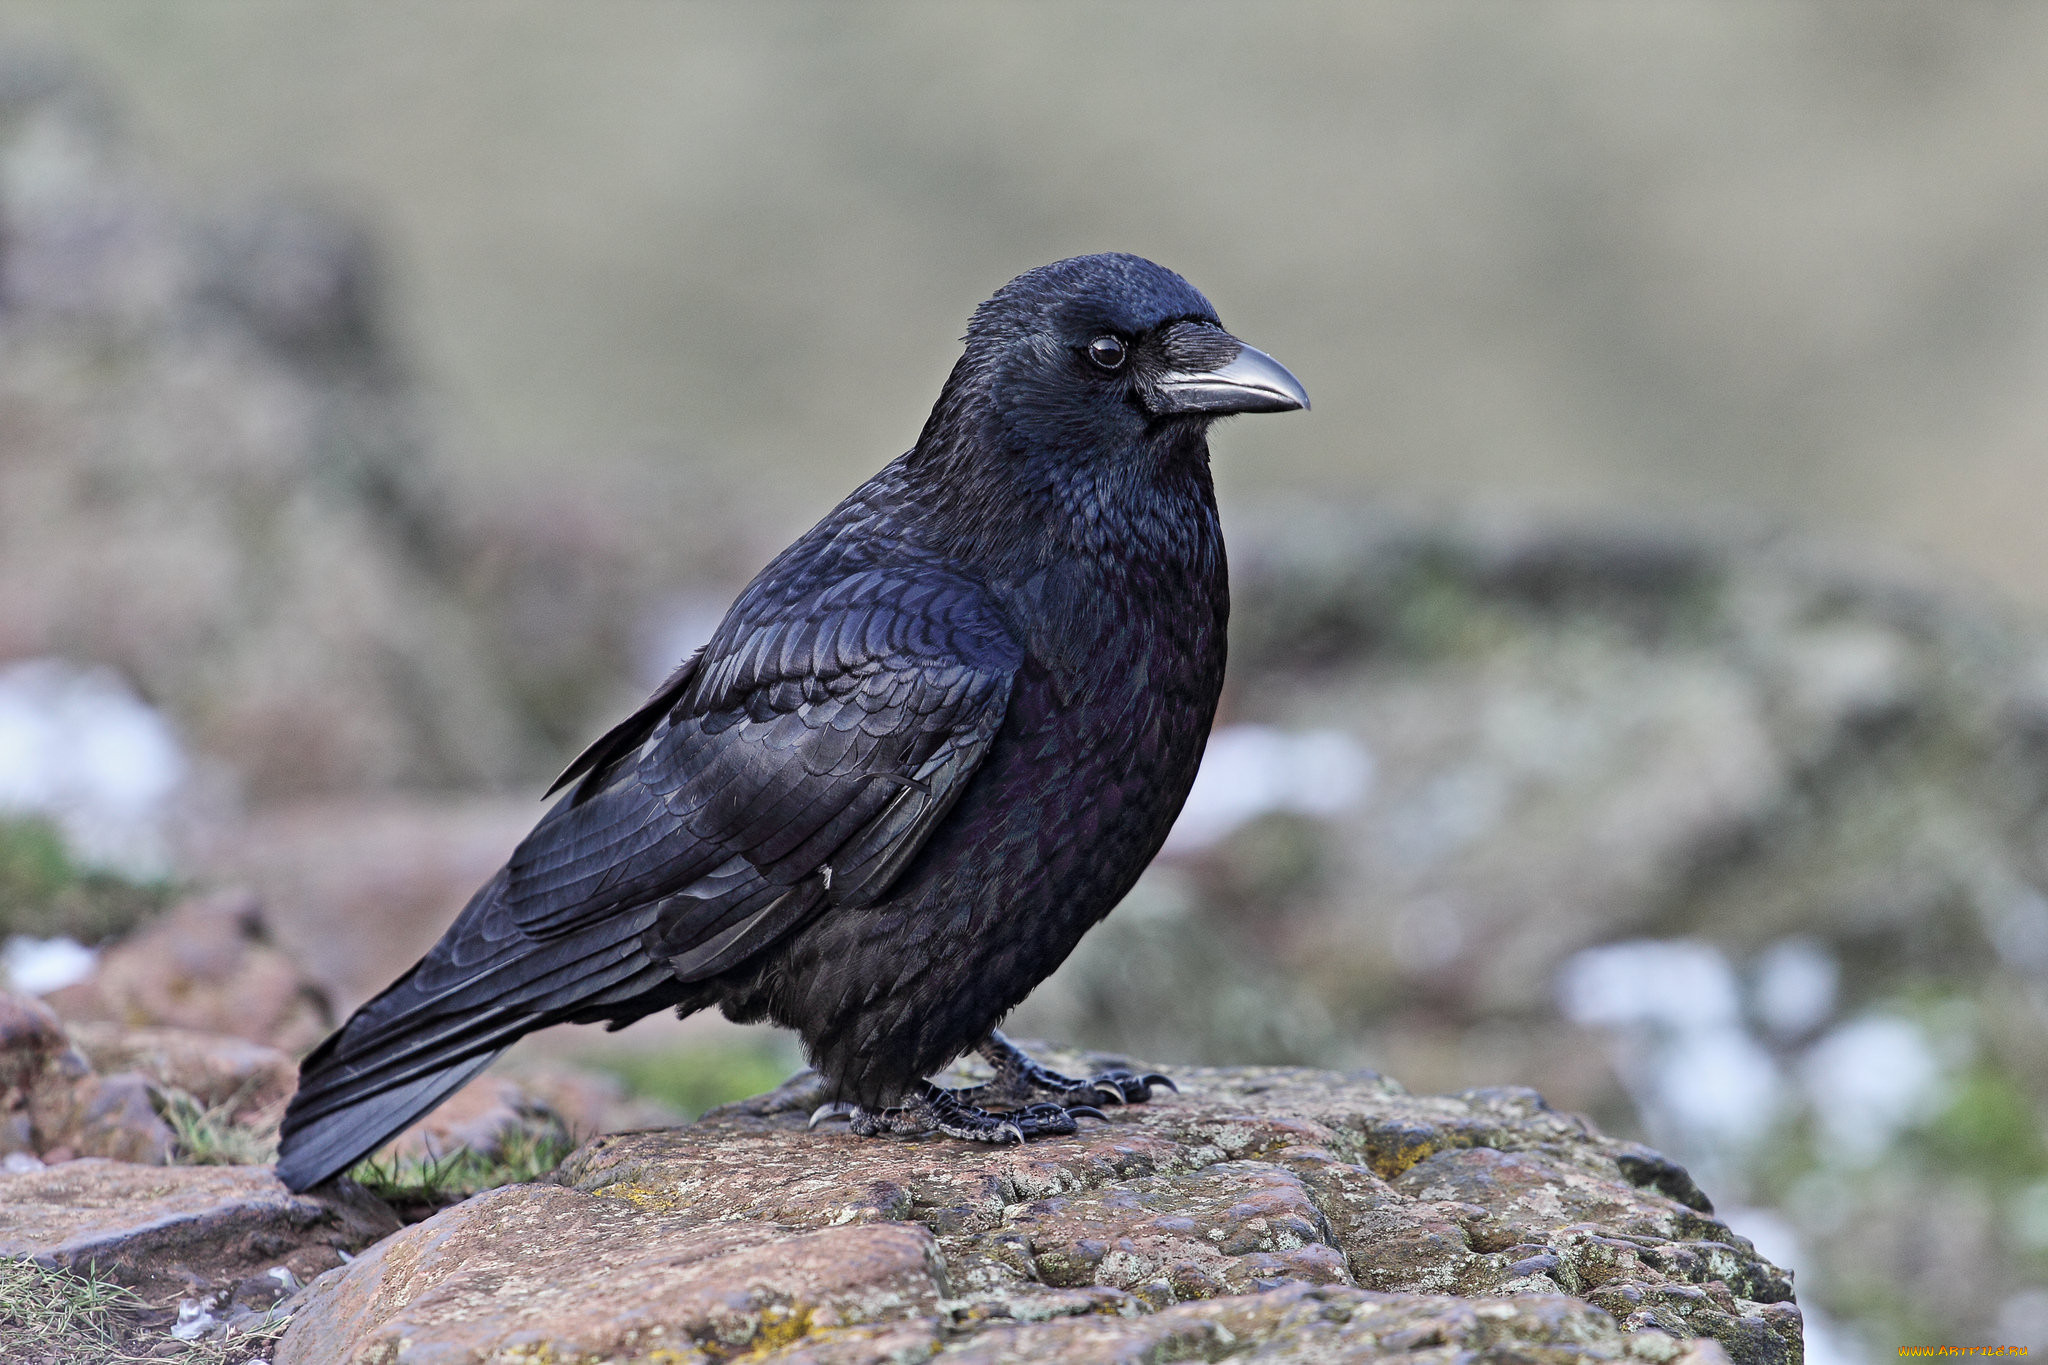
802,763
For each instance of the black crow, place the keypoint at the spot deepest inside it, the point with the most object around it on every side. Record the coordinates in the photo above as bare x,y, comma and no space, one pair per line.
928,747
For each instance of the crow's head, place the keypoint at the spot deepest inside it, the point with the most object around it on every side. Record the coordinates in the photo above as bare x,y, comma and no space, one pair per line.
1096,355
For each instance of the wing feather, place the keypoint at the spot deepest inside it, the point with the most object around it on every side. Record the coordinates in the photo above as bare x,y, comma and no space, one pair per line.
802,764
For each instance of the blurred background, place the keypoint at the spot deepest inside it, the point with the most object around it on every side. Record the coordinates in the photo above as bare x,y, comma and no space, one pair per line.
1640,687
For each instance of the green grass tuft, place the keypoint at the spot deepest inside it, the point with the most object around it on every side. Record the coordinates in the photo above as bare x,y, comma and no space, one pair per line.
208,1135
420,1186
56,1313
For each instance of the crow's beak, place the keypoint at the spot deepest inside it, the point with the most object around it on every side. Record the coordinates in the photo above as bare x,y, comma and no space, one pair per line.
1250,381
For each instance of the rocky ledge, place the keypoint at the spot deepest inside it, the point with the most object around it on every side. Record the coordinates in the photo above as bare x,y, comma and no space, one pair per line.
1262,1214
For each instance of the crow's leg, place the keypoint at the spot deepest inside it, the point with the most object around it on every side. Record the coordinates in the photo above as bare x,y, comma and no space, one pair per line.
1019,1079
928,1109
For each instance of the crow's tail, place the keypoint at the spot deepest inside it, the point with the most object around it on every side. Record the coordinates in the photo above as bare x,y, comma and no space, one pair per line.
483,986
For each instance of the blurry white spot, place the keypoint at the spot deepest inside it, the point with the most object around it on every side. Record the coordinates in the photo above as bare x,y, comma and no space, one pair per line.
77,746
1716,1086
20,1163
1678,983
1828,1342
1795,984
37,966
1870,1079
2030,1218
1250,770
1703,1083
2022,1319
1848,671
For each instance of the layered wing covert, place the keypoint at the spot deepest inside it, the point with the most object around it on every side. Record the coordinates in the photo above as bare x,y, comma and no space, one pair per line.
814,747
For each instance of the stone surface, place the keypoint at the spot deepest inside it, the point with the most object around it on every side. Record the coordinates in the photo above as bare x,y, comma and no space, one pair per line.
242,1078
112,1117
53,1103
164,1230
1273,1213
581,1274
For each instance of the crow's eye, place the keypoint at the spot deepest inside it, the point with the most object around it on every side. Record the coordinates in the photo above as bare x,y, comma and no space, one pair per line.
1108,352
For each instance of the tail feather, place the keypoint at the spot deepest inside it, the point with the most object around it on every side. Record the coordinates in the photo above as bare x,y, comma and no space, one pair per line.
324,1147
481,988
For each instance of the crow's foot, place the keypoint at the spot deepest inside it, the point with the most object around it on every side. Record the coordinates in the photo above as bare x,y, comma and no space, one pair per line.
1019,1079
932,1110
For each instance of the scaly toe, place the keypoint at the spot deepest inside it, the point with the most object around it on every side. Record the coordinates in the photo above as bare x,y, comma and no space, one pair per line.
1046,1120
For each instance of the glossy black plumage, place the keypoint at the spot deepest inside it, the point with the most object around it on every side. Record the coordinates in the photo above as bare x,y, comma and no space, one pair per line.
929,746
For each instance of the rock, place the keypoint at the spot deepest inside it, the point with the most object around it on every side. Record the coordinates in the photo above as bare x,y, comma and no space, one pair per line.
1286,1213
206,966
242,1078
217,478
112,1117
479,1116
31,1041
1582,732
166,1230
591,1275
53,1104
1299,1323
96,1088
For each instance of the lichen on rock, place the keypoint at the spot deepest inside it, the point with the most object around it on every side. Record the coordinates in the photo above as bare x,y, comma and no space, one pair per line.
1266,1213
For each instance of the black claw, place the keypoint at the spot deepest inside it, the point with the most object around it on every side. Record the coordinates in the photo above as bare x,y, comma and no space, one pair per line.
932,1110
1019,1079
